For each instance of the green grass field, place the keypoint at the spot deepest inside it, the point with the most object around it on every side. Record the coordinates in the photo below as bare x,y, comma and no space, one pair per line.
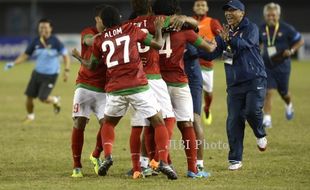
38,156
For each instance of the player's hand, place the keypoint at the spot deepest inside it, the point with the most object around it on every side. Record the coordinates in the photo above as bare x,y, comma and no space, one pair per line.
287,53
159,22
76,54
178,22
8,65
212,45
224,34
66,76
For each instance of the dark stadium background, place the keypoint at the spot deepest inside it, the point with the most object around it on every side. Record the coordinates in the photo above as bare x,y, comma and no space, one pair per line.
18,17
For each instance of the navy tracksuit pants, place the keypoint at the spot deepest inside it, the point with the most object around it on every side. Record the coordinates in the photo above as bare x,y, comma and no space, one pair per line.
244,102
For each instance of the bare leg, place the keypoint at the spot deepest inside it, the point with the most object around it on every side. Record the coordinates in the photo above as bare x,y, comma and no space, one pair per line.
199,135
268,102
29,105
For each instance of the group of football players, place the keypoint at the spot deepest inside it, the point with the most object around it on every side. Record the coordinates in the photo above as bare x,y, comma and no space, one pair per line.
137,64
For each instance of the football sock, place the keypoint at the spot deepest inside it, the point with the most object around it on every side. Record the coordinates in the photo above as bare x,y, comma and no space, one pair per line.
144,161
31,116
170,123
267,118
98,148
289,108
200,163
189,138
54,100
135,147
77,140
149,141
208,101
107,136
161,140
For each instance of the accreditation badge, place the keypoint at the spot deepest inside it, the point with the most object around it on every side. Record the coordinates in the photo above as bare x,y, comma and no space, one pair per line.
228,57
272,51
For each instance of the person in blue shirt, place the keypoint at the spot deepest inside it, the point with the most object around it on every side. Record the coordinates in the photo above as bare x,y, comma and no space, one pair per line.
238,44
193,71
279,41
46,48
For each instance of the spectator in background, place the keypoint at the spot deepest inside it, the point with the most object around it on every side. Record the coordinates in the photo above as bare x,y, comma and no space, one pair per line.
279,41
46,48
208,29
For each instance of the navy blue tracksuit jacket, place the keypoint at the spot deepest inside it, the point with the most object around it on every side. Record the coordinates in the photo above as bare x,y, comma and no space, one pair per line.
246,84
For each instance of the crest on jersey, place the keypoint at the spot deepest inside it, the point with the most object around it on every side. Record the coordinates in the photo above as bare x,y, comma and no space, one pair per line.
280,34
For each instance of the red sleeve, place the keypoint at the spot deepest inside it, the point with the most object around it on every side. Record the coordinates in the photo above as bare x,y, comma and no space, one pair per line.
96,53
87,33
215,26
140,35
192,37
150,24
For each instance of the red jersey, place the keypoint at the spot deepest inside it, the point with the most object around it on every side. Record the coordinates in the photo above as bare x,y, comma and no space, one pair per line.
149,56
118,47
208,29
171,55
89,79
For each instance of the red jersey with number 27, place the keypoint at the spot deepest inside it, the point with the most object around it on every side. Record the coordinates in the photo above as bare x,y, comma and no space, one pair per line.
171,55
94,78
150,56
118,48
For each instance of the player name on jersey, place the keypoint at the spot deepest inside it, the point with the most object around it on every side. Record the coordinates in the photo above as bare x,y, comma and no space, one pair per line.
142,24
113,32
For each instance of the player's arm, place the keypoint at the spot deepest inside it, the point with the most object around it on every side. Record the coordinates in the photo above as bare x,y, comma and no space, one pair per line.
88,39
207,46
197,41
295,41
215,26
220,47
157,42
90,63
294,48
178,22
67,64
21,58
297,45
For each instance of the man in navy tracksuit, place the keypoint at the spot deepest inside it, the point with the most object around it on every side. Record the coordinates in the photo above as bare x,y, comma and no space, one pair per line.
238,44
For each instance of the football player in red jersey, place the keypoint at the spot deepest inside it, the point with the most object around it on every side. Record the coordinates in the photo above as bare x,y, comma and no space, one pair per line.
89,97
144,19
127,83
172,70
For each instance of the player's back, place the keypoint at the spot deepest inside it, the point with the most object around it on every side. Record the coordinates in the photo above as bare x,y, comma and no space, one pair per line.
171,55
119,51
95,78
149,56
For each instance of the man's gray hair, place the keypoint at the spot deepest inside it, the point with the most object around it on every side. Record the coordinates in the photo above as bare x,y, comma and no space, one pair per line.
272,6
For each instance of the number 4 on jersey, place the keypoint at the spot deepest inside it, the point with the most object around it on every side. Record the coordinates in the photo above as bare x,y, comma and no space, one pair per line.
166,49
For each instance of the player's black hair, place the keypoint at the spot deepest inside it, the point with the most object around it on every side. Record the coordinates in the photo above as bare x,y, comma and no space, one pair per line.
98,9
45,20
133,15
140,7
110,16
166,7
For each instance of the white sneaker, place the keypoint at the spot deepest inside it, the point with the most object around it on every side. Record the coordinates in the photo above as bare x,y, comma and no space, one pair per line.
262,143
267,121
235,166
